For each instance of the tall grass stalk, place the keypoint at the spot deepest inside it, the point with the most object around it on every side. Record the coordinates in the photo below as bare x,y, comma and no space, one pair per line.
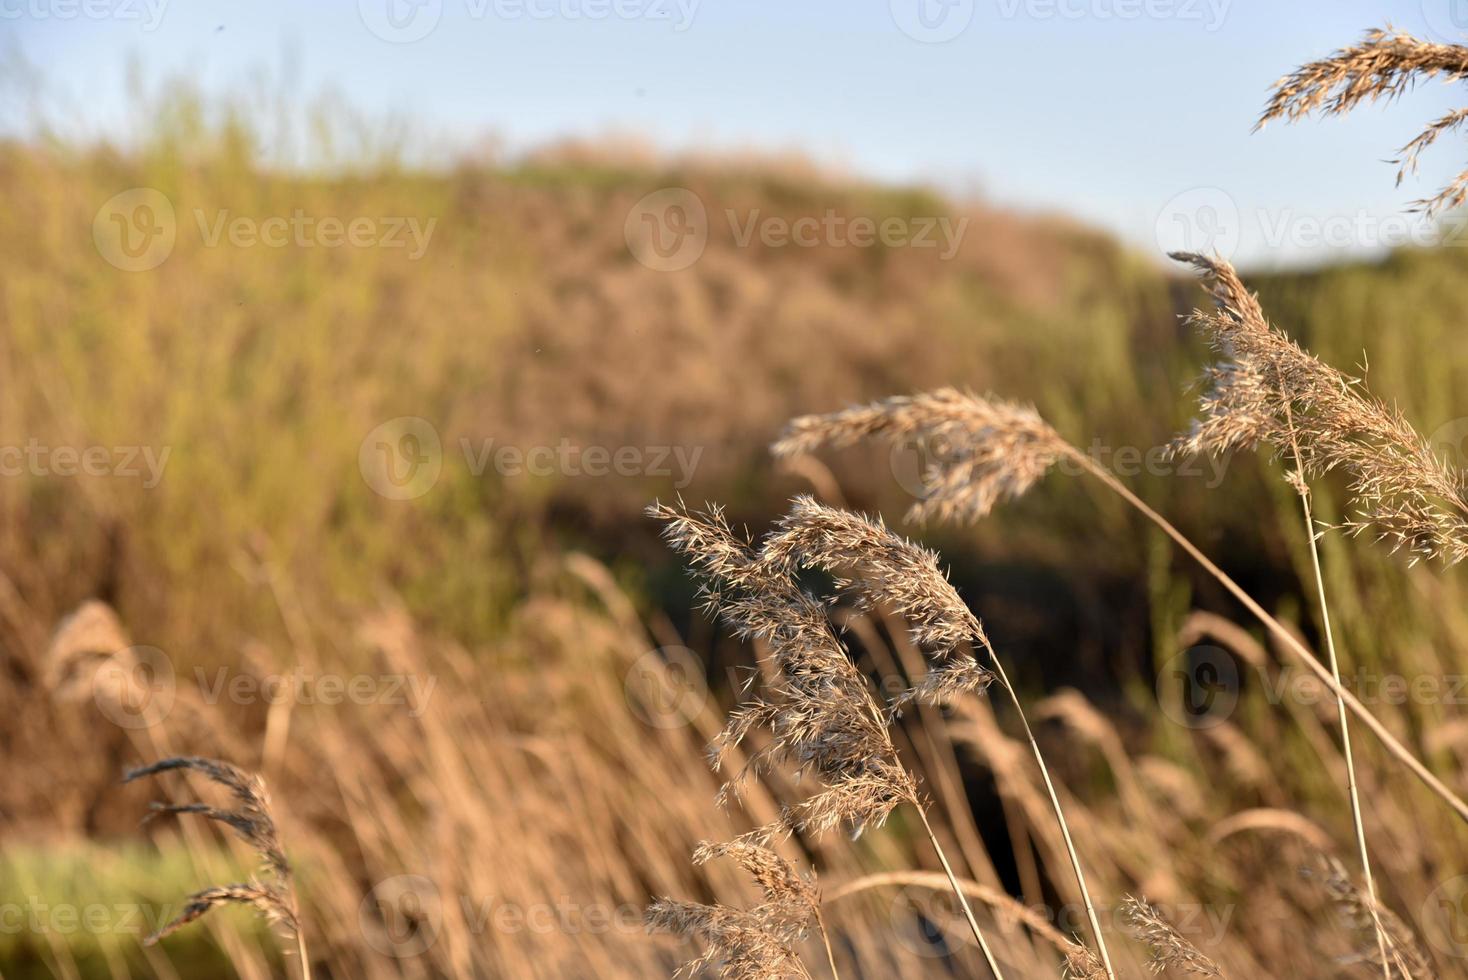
1075,861
1298,649
1000,450
818,708
968,912
1302,488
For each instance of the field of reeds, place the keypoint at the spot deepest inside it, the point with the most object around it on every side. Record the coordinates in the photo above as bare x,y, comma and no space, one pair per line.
513,604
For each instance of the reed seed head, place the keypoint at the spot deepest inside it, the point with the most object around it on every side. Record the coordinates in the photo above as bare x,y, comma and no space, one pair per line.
1169,949
791,899
820,710
887,569
1082,964
270,893
1267,389
736,943
1384,65
1405,958
981,450
752,944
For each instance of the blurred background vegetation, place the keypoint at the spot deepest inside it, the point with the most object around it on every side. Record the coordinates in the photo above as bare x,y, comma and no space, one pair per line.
528,321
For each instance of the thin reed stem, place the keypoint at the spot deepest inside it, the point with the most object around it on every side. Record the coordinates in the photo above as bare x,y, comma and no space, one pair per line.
1345,734
957,890
999,901
1075,861
826,940
1297,648
305,959
1303,489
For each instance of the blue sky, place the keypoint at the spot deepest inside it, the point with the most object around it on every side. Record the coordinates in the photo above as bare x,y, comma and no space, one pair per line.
1133,115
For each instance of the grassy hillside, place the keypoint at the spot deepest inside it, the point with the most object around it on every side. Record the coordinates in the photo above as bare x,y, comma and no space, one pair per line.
254,378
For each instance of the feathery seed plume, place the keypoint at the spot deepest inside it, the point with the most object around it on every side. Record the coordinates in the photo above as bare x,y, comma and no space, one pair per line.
1268,389
737,942
272,894
820,711
1384,65
1082,964
1405,958
890,570
752,944
983,450
1169,948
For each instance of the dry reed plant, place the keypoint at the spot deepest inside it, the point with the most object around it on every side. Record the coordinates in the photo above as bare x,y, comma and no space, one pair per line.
981,450
820,711
272,893
1384,65
738,943
1001,445
529,752
528,765
1082,964
1268,389
754,944
905,577
1169,948
1403,956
